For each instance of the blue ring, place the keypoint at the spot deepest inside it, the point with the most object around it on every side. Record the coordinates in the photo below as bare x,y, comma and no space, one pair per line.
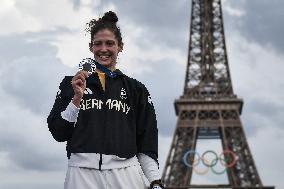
185,158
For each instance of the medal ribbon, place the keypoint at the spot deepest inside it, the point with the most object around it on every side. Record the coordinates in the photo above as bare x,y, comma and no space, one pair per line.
104,69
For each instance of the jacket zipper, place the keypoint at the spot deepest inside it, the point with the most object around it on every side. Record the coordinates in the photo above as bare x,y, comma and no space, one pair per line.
104,117
100,162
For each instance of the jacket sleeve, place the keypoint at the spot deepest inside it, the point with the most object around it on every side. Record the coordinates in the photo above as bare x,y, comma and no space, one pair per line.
61,129
147,131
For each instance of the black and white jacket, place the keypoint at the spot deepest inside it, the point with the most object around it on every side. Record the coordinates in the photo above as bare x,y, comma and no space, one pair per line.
119,121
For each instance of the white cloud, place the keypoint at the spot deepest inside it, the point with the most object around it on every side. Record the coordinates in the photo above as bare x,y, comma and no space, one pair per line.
74,46
164,147
14,20
29,156
256,70
5,162
141,53
267,149
231,10
24,134
29,15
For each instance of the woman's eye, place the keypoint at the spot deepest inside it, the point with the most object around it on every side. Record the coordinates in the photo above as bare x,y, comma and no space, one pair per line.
109,43
97,43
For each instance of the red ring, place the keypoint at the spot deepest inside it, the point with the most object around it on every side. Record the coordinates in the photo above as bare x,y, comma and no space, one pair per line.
234,158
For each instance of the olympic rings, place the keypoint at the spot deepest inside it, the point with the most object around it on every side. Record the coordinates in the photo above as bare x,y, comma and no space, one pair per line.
192,158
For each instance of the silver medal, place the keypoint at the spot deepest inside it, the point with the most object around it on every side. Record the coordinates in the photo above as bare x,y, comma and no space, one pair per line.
87,64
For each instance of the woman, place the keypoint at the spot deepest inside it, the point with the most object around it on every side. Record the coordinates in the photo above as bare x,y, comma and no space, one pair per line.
108,121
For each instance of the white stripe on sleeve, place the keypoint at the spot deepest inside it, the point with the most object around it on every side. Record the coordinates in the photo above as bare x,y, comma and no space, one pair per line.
71,113
149,167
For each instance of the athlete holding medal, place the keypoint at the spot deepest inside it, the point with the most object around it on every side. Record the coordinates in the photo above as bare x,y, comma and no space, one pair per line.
107,119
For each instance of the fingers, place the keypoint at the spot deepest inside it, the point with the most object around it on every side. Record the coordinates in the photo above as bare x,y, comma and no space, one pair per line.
80,78
79,83
81,75
85,73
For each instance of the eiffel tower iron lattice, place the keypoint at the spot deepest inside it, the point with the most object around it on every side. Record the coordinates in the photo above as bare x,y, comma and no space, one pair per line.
208,108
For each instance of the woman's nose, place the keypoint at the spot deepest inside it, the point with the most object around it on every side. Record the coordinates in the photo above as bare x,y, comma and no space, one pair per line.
104,48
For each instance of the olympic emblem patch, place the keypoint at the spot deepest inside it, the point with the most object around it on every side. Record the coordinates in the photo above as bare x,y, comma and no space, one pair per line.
123,93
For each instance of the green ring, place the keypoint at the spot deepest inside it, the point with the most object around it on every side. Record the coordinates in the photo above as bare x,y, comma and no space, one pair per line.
216,172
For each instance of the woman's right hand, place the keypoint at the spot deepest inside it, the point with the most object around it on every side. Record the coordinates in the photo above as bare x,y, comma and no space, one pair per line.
79,85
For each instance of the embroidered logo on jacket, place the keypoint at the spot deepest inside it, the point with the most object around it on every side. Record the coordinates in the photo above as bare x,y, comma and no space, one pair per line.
123,94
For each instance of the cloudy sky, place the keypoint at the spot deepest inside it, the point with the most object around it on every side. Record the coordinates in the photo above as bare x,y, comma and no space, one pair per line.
41,41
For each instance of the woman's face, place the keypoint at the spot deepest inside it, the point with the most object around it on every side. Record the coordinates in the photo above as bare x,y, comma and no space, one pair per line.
105,48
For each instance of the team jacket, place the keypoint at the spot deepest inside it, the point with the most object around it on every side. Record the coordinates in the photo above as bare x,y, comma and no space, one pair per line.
118,121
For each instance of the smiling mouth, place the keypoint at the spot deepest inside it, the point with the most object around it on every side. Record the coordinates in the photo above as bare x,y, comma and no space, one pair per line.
104,57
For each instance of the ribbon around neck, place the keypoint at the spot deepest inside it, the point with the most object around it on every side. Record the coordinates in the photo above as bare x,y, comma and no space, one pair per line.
90,65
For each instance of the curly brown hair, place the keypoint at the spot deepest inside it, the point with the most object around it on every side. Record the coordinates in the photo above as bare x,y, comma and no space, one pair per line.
108,21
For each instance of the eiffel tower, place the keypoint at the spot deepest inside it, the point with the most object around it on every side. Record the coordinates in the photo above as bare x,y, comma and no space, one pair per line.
209,109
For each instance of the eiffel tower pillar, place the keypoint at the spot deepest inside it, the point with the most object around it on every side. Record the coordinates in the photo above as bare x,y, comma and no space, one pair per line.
208,108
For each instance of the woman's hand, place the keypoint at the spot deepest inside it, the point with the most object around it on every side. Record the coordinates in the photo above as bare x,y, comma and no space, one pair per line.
79,85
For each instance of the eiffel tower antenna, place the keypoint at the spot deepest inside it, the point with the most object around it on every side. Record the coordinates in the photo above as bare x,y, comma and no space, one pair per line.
208,108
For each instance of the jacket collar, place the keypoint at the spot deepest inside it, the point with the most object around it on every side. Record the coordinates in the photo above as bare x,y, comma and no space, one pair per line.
94,79
118,72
